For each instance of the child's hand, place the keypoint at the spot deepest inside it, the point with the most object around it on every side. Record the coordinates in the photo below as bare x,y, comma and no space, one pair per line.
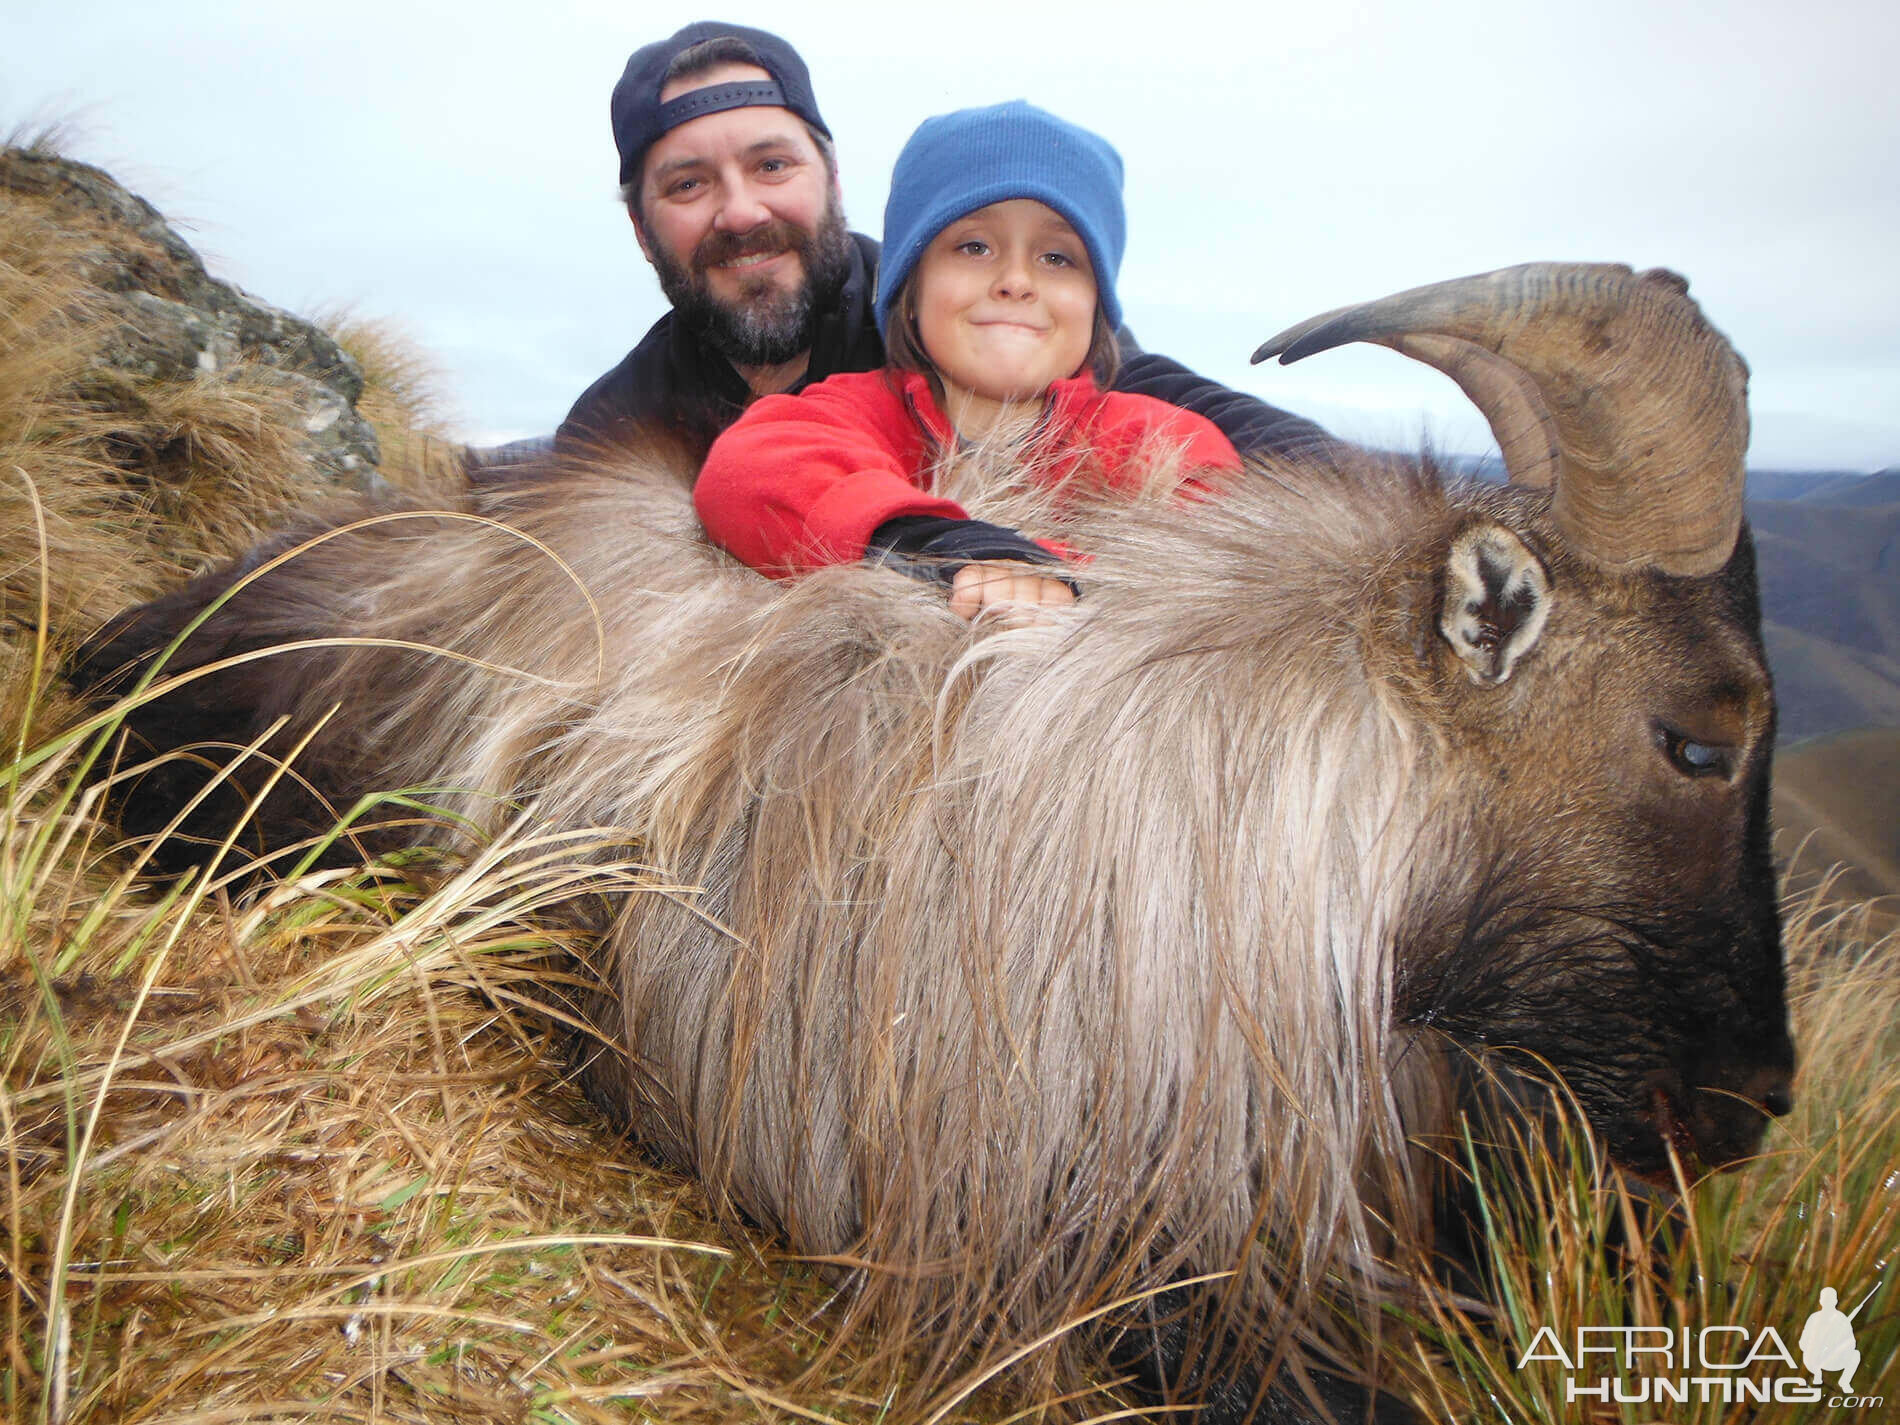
980,586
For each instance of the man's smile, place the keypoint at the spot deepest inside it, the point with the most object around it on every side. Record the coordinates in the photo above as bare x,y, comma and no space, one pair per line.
753,259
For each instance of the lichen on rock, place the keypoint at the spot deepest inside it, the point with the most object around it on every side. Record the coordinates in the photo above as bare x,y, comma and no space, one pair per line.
166,319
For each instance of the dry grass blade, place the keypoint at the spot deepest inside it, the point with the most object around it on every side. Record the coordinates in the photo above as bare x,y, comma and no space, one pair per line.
962,1390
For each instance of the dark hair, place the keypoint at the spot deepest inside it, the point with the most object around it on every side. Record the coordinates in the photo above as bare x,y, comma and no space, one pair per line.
697,59
904,345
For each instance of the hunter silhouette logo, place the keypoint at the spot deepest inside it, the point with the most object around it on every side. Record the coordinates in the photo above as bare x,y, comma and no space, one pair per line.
1733,1365
1827,1341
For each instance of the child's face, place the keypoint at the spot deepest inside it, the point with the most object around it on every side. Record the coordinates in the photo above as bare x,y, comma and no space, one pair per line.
1006,300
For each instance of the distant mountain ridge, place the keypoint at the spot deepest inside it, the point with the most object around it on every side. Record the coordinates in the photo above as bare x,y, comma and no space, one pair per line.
1829,551
1834,487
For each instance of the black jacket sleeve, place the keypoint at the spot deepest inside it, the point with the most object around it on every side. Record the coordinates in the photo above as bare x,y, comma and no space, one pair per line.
931,548
1251,424
599,414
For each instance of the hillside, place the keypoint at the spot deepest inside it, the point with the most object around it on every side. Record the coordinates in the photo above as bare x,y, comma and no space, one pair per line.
1830,579
1829,547
1837,802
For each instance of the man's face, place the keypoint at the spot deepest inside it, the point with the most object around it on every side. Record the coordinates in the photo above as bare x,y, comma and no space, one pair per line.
741,221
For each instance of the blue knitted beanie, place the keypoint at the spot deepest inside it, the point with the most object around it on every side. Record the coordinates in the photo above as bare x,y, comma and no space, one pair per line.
957,163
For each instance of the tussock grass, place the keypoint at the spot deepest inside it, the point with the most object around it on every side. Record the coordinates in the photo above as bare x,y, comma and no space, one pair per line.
308,1156
1574,1243
142,480
116,485
310,1152
405,400
312,1155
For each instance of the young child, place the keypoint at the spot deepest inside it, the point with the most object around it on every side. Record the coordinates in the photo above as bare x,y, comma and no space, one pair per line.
996,298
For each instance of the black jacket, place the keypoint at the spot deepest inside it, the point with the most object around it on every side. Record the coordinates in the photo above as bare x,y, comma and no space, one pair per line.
672,383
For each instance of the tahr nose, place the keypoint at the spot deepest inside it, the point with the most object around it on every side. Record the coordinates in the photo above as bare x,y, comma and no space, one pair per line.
1773,1089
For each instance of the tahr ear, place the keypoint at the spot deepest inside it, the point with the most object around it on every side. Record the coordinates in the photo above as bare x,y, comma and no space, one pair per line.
1497,597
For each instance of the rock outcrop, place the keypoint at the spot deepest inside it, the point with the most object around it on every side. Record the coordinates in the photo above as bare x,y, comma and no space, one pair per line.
170,320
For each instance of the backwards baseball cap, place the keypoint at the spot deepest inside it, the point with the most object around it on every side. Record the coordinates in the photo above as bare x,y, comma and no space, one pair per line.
639,118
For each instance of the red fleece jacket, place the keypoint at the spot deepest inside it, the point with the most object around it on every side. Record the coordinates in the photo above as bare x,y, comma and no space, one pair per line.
802,481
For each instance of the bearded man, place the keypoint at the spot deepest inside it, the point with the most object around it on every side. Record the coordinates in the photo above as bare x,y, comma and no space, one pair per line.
729,177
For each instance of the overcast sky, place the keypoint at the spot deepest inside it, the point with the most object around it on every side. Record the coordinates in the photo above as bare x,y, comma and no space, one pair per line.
450,167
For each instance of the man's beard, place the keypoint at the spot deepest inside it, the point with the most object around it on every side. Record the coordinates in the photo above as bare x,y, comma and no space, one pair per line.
765,324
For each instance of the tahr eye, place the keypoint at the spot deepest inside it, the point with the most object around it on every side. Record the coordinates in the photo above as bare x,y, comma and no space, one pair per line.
1692,758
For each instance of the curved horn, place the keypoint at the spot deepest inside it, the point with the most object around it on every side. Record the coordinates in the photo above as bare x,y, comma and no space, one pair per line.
1609,384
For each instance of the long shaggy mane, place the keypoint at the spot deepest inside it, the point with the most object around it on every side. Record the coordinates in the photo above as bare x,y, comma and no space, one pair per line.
1008,969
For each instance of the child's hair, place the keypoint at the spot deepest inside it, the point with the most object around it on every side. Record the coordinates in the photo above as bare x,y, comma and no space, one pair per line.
957,163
